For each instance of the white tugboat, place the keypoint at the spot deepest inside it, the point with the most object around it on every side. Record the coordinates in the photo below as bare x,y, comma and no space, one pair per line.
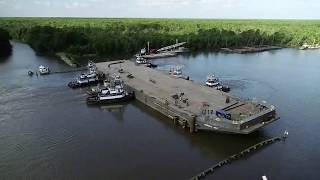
177,71
113,94
212,81
43,70
85,79
141,60
99,89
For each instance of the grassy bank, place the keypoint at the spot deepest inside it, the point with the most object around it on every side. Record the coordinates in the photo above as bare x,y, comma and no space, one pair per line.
79,36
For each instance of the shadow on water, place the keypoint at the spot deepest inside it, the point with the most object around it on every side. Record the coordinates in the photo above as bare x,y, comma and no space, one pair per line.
116,110
4,60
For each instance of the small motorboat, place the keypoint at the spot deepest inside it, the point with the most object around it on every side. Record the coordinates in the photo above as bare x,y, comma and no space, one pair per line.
212,81
43,70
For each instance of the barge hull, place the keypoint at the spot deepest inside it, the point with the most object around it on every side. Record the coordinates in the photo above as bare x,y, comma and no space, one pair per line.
196,108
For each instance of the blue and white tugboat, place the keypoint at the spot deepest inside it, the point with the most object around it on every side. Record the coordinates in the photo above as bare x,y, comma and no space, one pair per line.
86,79
212,81
113,94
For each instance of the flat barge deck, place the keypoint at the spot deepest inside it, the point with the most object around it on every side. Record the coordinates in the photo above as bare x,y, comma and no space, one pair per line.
189,104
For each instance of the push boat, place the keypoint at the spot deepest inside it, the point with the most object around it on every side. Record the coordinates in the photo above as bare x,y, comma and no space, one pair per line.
43,70
177,71
141,60
223,88
115,93
86,79
212,81
151,65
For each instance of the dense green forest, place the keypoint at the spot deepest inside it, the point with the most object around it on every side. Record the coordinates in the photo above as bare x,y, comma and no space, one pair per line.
79,36
5,46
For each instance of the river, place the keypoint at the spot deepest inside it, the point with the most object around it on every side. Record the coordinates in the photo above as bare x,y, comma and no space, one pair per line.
48,132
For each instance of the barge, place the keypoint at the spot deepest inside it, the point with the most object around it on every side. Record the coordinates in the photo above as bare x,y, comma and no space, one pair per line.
193,106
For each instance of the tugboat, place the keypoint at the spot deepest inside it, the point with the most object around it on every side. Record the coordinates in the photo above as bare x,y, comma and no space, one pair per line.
43,70
113,94
86,79
141,60
212,81
177,71
99,89
91,65
151,65
223,88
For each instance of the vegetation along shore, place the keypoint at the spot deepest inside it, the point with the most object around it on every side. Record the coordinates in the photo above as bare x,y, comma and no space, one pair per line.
5,46
102,37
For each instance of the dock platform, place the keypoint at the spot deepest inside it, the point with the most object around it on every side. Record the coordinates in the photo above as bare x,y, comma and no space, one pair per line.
246,50
189,104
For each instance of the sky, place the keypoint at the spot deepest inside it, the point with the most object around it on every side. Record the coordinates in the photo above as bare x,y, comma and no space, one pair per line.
216,9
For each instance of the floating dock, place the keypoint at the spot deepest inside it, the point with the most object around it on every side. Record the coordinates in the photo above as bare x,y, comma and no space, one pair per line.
189,104
159,55
246,50
237,156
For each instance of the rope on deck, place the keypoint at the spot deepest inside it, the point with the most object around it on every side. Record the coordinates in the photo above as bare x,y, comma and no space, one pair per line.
239,155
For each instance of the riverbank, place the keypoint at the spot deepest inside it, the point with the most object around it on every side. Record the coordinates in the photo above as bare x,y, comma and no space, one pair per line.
67,59
126,36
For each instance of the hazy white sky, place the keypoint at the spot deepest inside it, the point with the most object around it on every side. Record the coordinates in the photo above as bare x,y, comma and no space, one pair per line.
270,9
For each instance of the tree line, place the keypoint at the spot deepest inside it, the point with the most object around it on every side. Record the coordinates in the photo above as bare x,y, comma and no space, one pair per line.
105,37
